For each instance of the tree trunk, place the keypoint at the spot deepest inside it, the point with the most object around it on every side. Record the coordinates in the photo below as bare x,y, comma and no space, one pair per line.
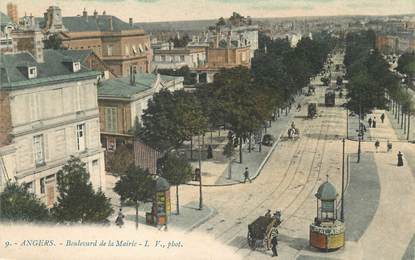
399,113
240,149
409,120
136,215
211,137
230,169
249,144
191,148
404,123
402,117
177,200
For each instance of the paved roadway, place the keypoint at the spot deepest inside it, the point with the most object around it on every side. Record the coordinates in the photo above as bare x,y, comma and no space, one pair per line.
288,182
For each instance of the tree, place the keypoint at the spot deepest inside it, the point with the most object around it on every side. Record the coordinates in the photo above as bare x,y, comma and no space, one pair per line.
18,204
135,186
53,41
181,42
176,170
77,200
120,159
171,119
405,63
228,152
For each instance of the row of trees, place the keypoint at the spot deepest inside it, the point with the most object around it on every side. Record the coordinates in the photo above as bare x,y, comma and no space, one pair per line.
371,83
77,201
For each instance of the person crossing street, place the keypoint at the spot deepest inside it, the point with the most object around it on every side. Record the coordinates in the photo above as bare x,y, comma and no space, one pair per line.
246,175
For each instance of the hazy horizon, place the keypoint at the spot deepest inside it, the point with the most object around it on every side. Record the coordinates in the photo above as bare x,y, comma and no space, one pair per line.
188,10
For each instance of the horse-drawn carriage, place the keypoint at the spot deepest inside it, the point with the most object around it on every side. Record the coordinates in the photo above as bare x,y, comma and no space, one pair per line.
259,231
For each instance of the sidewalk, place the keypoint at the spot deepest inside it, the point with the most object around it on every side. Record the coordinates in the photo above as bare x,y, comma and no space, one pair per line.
190,216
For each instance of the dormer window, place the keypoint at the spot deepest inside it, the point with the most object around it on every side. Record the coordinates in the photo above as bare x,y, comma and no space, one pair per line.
76,66
32,72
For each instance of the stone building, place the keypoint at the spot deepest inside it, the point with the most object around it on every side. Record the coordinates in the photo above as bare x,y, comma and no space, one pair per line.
49,112
177,58
118,44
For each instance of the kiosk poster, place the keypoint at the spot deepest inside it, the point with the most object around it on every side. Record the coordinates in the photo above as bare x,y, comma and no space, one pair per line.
247,111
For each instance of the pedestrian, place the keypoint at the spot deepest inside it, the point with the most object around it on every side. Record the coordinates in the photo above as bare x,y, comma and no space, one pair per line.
377,144
268,214
292,125
400,159
246,175
382,117
209,152
274,239
120,219
369,122
389,146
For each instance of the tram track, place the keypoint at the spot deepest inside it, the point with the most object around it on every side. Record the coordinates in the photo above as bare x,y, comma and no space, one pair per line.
325,129
300,149
296,159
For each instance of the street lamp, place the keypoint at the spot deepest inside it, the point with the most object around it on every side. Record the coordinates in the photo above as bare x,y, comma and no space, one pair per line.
342,208
200,175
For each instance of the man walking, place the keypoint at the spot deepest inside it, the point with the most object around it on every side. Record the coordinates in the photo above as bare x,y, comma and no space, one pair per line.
274,239
377,144
246,175
120,219
400,159
369,122
382,117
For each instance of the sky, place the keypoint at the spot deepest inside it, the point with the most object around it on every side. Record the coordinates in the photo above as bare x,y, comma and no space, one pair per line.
173,10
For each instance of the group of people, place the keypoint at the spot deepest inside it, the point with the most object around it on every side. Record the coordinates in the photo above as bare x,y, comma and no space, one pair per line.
372,122
388,149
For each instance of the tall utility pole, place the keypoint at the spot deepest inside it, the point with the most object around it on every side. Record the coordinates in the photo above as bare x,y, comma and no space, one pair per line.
342,208
360,135
347,122
200,175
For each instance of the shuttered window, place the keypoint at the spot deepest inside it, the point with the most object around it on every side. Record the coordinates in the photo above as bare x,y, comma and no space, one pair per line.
110,119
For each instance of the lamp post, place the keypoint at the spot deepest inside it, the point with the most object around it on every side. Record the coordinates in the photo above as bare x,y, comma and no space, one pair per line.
342,208
200,175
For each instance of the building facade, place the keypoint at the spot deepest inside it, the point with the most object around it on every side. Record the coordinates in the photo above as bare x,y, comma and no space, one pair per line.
177,58
119,44
122,102
49,113
12,12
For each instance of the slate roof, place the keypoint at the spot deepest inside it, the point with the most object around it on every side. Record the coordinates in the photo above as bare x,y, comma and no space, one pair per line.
52,70
4,19
121,87
90,23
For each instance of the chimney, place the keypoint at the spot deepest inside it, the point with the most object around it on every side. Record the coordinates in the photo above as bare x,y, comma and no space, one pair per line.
132,76
95,14
110,23
130,20
104,13
85,13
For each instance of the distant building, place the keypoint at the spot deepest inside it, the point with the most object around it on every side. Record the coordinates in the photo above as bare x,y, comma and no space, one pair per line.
177,58
49,112
6,27
12,12
118,44
122,102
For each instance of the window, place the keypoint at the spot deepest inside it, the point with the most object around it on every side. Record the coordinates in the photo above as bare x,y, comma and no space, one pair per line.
134,50
163,58
29,186
94,163
80,137
110,114
42,185
32,72
38,150
103,142
181,57
109,50
76,66
140,47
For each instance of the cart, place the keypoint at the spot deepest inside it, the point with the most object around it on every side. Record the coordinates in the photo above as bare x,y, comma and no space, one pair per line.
312,110
259,232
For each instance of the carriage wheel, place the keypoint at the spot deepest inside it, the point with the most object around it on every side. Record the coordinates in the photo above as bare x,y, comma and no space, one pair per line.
251,241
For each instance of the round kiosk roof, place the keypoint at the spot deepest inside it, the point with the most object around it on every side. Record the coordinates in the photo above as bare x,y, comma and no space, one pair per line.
162,184
326,191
